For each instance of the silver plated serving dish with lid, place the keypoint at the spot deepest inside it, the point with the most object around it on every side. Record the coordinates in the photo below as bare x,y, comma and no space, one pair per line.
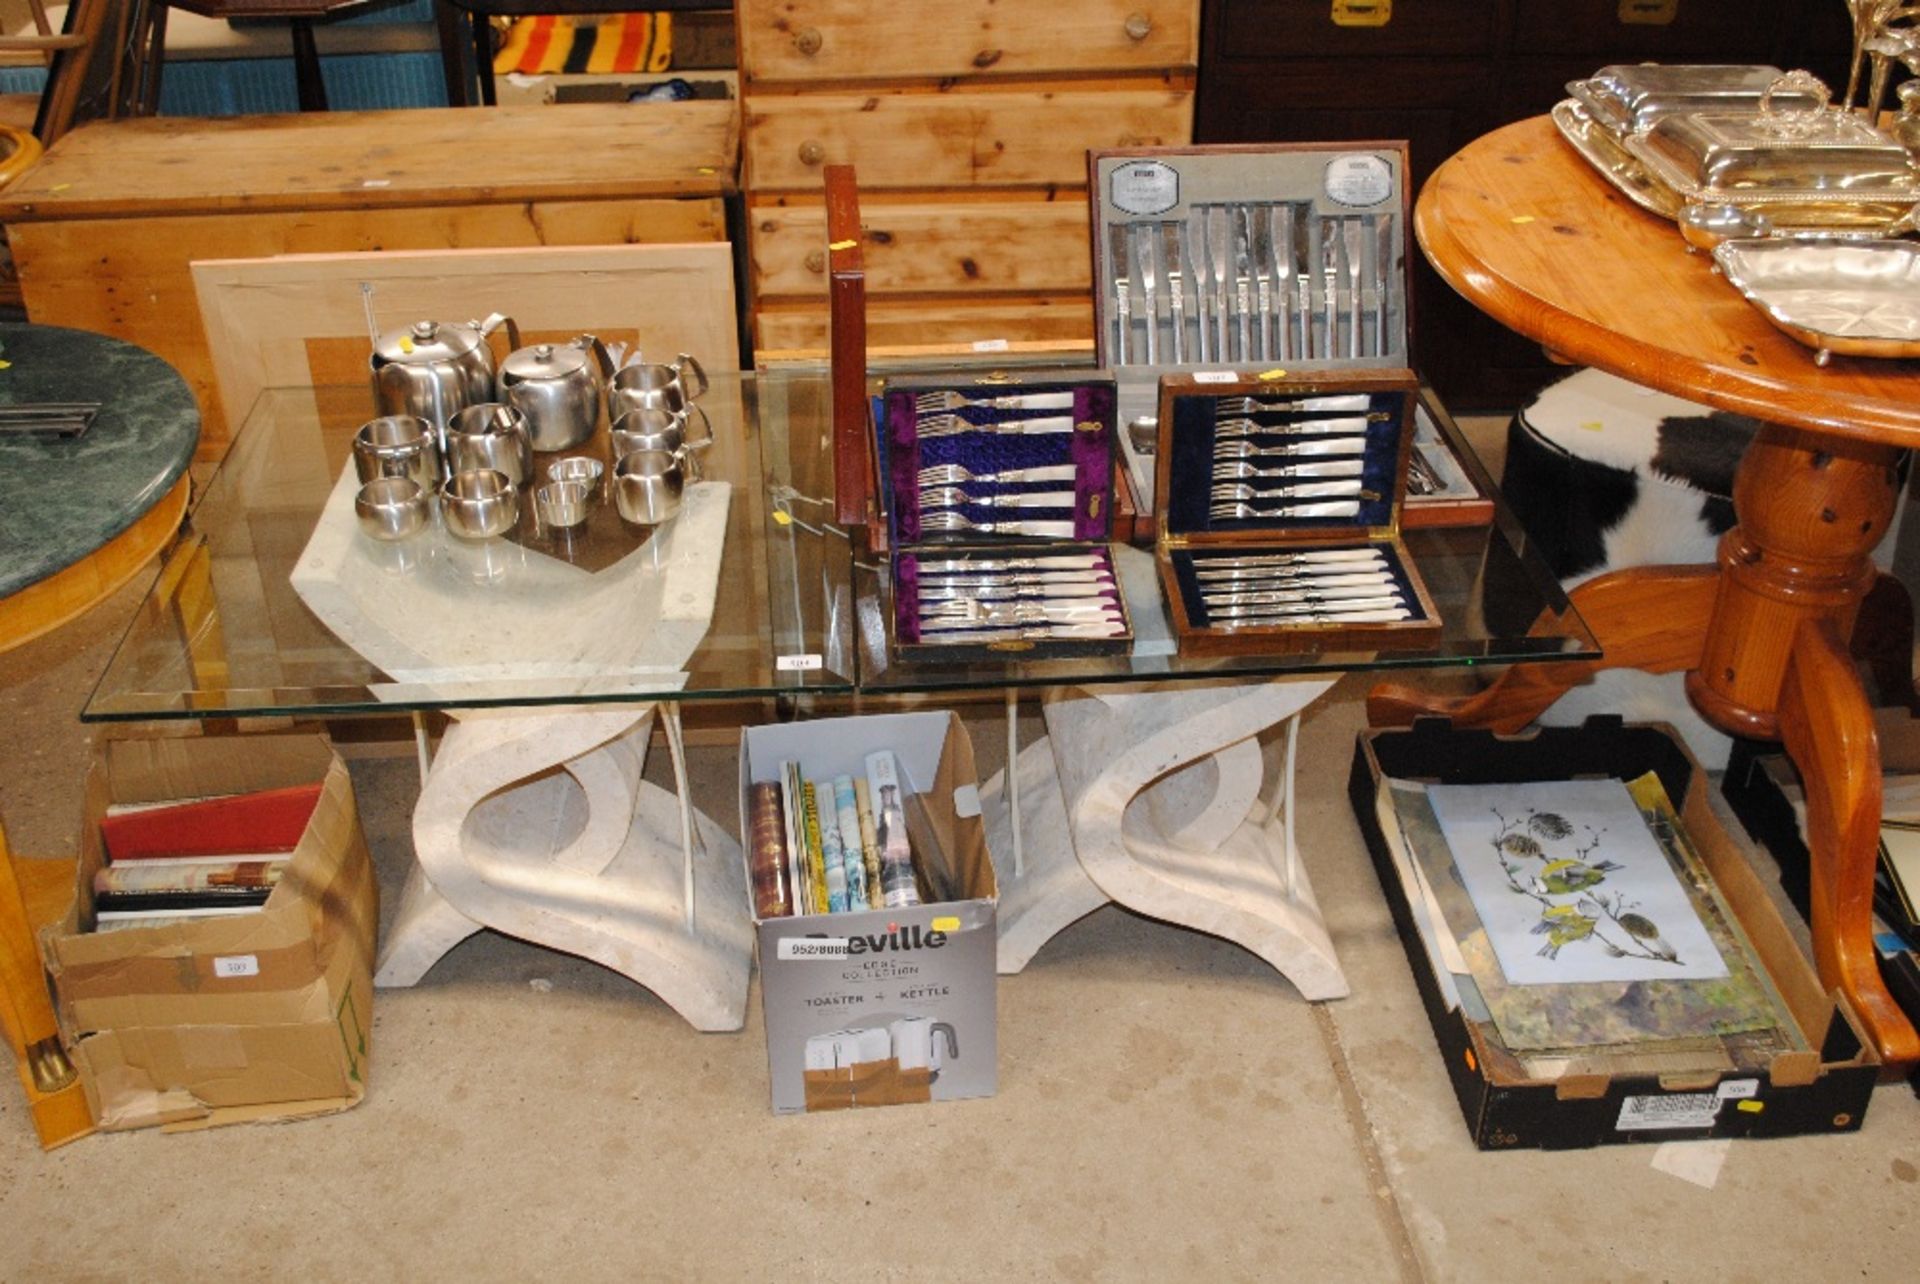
1629,99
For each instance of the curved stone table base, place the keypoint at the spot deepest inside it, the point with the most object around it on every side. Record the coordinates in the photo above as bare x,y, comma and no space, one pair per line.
539,825
1152,799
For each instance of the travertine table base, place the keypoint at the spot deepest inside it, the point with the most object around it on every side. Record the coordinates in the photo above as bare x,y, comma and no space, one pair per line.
535,821
1154,799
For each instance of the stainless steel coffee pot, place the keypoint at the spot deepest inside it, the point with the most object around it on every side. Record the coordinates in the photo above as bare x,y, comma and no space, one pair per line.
435,369
558,387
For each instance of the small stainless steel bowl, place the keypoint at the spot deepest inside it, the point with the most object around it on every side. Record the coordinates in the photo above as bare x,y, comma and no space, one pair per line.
563,505
647,485
1143,434
578,468
396,446
391,508
480,503
1705,226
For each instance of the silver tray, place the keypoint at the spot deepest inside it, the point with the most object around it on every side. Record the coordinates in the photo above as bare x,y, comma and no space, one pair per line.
1857,298
1597,146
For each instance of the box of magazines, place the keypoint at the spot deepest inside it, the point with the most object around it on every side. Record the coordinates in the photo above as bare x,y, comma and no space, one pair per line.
874,910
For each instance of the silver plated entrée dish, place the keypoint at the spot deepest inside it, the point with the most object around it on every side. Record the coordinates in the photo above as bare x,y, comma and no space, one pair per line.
1628,99
1598,148
1857,298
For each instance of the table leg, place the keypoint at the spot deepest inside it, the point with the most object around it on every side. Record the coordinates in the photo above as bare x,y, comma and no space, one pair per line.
1153,799
309,85
538,824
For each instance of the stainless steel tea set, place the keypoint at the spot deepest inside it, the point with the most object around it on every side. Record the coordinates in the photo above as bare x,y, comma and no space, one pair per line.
454,429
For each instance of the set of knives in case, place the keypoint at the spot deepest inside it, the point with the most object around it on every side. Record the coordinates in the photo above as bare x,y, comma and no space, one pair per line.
998,498
1279,504
1224,255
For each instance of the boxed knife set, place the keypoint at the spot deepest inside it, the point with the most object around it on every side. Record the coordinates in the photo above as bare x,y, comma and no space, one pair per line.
998,496
1248,257
1279,504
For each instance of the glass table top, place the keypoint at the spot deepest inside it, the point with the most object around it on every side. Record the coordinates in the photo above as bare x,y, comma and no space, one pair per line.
253,609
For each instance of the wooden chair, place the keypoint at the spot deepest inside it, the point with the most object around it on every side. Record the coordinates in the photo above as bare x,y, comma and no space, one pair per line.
31,893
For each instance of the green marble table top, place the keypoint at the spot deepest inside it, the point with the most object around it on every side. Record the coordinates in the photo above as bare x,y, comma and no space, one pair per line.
62,499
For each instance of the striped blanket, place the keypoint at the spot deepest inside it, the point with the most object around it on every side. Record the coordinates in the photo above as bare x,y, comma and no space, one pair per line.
621,42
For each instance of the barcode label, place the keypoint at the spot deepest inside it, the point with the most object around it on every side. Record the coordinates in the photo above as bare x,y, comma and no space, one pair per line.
1215,376
797,663
1678,1110
237,965
811,947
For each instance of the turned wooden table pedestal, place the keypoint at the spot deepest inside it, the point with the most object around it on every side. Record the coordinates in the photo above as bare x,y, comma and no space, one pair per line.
1518,224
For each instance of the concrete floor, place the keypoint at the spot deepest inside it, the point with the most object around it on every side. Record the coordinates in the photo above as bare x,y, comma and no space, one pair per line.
1168,1108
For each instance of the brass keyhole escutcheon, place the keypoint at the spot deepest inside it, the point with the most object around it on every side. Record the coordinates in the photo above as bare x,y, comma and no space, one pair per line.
807,41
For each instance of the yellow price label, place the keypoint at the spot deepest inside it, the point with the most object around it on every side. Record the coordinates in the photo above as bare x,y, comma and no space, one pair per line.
1269,376
841,245
781,517
947,924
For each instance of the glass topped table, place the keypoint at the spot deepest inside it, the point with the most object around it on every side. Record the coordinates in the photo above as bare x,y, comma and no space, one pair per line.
555,654
226,635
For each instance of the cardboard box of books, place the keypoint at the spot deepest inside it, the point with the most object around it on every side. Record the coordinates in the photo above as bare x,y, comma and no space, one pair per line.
194,1007
1599,962
874,910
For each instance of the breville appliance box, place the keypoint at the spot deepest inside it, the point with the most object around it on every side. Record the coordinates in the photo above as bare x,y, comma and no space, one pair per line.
883,1007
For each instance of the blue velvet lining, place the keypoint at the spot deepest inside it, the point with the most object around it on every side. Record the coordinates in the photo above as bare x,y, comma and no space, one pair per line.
1184,561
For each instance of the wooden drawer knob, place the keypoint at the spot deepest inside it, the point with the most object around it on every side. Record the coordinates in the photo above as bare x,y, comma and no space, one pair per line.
807,41
812,153
816,262
1139,26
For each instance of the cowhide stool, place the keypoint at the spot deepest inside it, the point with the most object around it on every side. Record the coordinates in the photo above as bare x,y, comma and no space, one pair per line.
1604,475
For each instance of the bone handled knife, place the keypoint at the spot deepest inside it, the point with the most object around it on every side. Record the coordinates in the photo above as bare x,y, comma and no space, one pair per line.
1117,263
996,565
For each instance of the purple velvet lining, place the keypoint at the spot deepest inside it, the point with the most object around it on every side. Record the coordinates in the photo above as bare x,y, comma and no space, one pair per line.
1093,462
903,466
906,597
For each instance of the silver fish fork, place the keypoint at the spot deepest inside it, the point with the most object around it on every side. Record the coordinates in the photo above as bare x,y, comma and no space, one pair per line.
1227,407
1237,470
1253,427
1241,448
953,425
954,497
1273,494
951,521
928,403
958,474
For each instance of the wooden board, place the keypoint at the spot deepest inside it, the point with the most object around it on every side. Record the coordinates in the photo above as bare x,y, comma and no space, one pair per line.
903,139
374,159
262,315
1012,244
943,322
130,279
854,39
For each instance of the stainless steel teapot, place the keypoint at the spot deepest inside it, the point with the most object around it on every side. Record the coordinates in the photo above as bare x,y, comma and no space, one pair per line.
558,387
436,369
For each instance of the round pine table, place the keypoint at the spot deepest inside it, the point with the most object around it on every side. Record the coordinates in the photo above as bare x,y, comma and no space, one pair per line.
82,515
1522,227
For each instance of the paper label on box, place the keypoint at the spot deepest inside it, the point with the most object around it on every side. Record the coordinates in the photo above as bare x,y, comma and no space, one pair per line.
808,948
1215,376
1359,179
1738,1088
797,663
1676,1110
1144,187
237,965
966,801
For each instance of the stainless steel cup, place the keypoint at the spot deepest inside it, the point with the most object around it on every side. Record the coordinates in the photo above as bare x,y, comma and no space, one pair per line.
397,446
649,428
563,505
647,485
480,503
490,435
579,468
391,508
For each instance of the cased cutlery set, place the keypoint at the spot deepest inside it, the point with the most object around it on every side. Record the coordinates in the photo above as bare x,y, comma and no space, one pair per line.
1255,297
